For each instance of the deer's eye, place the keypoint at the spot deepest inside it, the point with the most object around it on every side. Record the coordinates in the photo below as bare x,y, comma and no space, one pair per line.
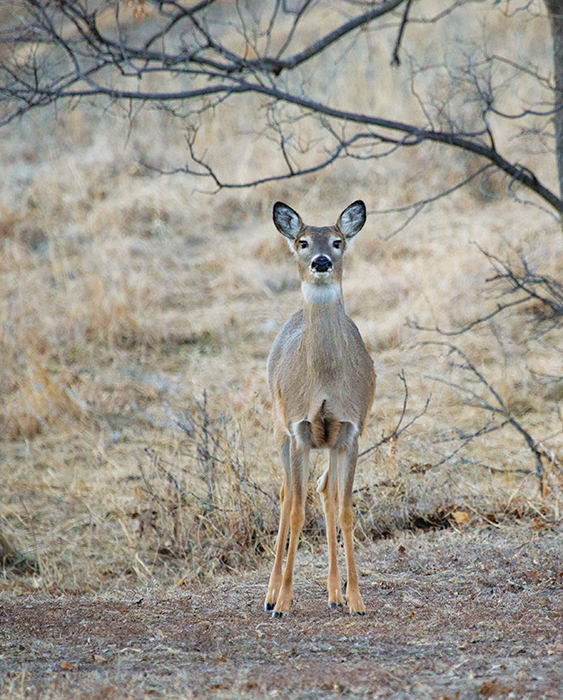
303,244
337,243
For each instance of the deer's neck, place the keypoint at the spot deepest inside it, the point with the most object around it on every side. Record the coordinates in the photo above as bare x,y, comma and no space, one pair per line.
324,327
321,294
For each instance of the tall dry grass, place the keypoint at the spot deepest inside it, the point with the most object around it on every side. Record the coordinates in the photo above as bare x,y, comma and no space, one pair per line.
126,297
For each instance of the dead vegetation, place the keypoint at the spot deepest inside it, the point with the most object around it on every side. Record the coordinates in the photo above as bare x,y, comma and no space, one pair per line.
136,314
138,476
467,615
122,309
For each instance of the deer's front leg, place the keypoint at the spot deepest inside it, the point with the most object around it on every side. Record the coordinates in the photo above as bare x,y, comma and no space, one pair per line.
346,469
274,585
299,457
328,488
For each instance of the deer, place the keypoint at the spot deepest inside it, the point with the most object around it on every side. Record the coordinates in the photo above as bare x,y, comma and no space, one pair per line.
322,383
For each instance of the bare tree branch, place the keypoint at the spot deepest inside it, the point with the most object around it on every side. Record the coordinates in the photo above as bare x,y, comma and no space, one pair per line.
545,291
396,60
399,428
416,207
72,52
496,407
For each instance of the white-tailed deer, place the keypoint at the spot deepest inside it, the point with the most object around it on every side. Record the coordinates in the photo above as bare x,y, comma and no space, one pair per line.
322,383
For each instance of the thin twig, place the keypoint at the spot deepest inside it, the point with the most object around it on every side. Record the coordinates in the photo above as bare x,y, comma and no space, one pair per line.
537,450
399,429
396,61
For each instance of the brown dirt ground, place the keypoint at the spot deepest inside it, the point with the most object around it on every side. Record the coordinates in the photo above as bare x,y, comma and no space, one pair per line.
451,614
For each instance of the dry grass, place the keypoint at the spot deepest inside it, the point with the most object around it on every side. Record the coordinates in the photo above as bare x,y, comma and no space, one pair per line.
125,296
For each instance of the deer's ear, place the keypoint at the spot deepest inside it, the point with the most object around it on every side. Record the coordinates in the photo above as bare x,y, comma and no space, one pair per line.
352,219
287,221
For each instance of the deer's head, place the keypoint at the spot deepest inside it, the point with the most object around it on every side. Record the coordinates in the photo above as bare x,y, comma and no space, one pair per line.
319,249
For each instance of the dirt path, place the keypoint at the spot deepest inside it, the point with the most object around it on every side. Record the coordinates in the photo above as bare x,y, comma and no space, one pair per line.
450,616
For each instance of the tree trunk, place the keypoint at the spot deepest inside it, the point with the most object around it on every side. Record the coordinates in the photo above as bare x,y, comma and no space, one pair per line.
555,11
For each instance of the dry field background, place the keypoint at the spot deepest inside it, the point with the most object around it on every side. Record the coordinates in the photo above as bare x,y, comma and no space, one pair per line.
136,315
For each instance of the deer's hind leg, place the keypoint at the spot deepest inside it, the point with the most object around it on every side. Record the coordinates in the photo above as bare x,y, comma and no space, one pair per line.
328,486
276,576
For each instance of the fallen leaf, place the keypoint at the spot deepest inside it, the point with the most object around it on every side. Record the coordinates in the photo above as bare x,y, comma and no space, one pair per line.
420,468
66,666
493,687
538,524
460,516
99,659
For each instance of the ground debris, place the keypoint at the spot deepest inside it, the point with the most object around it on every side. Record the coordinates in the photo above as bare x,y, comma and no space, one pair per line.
448,635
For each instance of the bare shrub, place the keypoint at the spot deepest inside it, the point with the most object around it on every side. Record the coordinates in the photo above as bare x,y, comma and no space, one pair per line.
205,507
201,502
11,558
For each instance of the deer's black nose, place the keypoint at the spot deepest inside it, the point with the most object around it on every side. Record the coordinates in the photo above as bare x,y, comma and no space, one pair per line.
321,264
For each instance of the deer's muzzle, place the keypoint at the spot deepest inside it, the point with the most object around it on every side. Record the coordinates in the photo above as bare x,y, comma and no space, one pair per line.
321,263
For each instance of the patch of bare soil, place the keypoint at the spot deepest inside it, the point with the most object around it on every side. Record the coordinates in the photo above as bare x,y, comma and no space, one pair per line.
450,615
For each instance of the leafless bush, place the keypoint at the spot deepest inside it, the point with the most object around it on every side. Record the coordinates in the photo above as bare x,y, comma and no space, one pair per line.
11,558
203,504
522,292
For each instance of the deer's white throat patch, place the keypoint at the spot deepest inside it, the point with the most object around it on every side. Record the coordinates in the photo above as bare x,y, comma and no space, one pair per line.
320,293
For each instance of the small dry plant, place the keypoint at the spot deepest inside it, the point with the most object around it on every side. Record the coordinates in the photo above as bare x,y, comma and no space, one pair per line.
206,505
199,500
205,498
